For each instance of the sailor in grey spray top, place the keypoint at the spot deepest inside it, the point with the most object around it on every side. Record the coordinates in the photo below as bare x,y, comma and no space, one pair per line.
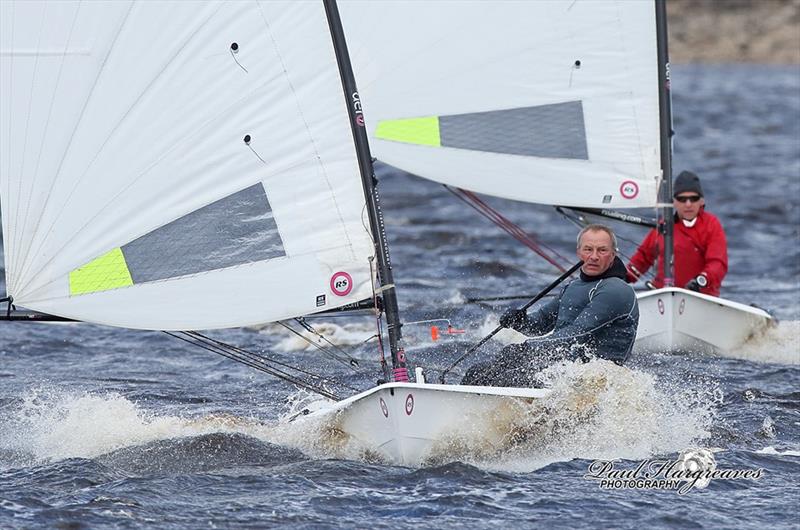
594,315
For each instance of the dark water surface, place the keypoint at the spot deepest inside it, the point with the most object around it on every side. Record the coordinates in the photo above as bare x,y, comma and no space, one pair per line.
107,428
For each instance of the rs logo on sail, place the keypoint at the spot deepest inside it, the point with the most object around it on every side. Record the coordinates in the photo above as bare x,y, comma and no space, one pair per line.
341,283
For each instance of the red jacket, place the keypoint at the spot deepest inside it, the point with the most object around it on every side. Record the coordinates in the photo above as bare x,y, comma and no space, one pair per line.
698,249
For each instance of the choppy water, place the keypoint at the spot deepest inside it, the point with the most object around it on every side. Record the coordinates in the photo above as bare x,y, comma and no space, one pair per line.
105,428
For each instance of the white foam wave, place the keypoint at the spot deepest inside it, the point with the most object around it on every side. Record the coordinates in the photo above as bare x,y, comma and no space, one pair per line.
775,344
505,336
603,411
52,425
455,298
596,410
772,451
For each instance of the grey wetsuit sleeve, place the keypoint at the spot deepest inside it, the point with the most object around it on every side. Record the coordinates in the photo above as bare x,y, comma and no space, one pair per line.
541,321
612,299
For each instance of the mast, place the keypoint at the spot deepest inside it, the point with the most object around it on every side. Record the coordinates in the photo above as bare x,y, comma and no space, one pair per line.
666,213
369,182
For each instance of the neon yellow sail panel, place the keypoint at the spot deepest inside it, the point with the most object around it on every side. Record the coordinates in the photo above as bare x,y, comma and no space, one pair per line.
420,131
109,271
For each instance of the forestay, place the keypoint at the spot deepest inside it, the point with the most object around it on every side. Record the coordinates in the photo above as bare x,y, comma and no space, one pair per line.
553,102
177,165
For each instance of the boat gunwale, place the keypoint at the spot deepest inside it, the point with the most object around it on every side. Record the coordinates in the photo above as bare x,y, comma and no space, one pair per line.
757,311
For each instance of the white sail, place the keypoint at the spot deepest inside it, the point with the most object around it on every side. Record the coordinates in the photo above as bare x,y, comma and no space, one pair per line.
553,102
177,165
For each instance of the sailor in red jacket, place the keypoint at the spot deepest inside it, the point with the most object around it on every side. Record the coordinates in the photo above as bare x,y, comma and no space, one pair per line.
701,252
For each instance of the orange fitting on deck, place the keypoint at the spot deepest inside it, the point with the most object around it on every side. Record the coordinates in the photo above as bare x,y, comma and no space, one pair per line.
434,333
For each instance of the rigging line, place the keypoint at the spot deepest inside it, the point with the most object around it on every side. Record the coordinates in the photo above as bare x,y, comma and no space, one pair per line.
365,225
263,358
351,361
510,228
529,237
378,323
322,349
245,361
258,363
255,153
253,363
263,367
47,123
342,314
240,66
482,300
255,357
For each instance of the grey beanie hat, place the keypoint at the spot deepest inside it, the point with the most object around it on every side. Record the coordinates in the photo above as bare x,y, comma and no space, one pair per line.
687,181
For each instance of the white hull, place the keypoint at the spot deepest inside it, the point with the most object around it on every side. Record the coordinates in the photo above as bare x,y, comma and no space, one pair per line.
413,423
673,319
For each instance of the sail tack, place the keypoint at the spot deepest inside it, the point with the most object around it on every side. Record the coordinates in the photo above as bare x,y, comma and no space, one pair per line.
177,165
553,102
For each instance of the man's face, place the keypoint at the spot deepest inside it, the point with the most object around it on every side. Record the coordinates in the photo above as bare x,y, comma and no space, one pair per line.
688,205
596,251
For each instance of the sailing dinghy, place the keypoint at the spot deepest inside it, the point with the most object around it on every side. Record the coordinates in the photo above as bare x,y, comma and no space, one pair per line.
184,166
557,103
677,320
